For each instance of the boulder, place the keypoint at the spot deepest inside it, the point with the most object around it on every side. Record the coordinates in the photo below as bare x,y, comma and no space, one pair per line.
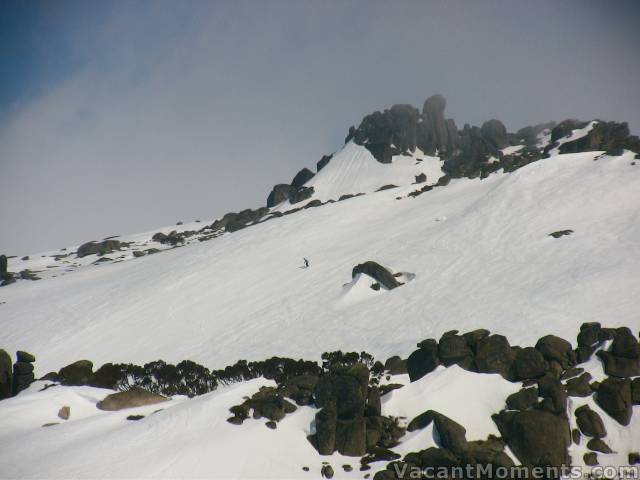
25,357
494,355
529,363
598,445
588,336
451,435
614,397
590,459
326,422
302,177
136,397
351,436
279,194
395,365
625,344
579,386
635,391
342,390
323,162
300,194
421,421
326,471
472,338
377,272
421,178
98,248
6,375
558,349
423,361
553,393
78,373
495,133
523,399
620,367
453,350
590,423
64,413
536,437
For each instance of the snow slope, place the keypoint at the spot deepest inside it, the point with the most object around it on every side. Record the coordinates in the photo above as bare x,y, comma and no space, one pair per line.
488,262
476,253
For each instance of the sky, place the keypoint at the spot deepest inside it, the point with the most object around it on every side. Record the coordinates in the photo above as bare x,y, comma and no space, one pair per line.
120,117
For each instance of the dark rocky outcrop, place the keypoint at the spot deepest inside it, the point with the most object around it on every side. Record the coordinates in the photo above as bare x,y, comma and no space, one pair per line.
590,423
614,397
494,355
536,437
323,162
131,398
6,375
22,372
77,373
523,400
377,272
424,360
302,177
556,349
611,137
454,350
529,363
99,248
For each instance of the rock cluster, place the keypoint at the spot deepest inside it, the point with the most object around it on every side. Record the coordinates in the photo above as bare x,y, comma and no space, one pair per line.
99,248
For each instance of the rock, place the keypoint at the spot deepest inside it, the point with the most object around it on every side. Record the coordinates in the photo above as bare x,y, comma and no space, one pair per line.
529,363
78,373
135,397
99,248
494,355
4,265
553,393
590,423
634,458
635,391
374,405
472,338
396,366
323,162
377,272
65,412
575,436
326,471
590,459
451,435
351,436
560,233
342,390
453,350
6,375
625,344
597,445
347,468
326,422
536,437
235,420
300,194
423,361
271,424
279,194
135,418
523,399
614,397
302,177
495,133
25,357
421,178
300,388
485,453
558,349
588,336
579,386
421,421
437,457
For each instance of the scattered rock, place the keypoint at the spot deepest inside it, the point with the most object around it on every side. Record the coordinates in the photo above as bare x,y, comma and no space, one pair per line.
135,417
423,361
560,233
64,413
590,423
614,397
78,373
271,424
326,471
590,459
135,397
598,445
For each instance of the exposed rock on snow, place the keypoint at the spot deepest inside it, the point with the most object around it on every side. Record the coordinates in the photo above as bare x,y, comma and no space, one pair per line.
131,398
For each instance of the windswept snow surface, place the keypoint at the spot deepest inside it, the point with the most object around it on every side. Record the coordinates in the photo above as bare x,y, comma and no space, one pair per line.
490,263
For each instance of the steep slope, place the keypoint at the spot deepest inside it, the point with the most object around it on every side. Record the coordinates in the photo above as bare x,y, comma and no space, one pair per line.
480,251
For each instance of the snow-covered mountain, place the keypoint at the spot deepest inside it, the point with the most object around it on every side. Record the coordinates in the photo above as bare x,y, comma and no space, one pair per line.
527,236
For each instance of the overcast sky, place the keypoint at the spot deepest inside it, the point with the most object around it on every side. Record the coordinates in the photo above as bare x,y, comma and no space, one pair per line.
119,117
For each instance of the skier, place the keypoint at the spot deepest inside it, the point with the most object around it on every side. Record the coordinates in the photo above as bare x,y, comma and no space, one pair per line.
306,263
